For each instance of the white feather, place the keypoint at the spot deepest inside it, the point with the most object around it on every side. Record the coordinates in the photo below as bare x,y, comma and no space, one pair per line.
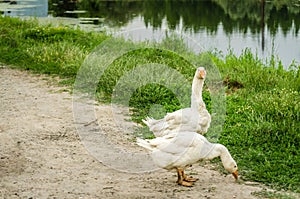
195,119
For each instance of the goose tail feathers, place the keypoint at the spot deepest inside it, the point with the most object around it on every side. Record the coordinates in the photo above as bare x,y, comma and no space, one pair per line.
144,143
149,121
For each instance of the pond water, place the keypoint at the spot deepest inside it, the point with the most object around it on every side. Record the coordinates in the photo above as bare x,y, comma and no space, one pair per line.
265,27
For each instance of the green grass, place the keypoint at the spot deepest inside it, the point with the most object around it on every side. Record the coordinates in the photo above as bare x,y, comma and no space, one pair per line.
263,121
272,195
45,49
262,126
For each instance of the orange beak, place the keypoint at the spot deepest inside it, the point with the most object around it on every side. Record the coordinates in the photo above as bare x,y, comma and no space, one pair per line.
235,174
202,74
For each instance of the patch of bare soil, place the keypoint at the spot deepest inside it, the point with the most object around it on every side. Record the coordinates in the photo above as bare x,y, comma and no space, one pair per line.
42,156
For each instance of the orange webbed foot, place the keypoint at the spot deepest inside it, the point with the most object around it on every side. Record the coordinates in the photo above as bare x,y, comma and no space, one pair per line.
191,179
186,184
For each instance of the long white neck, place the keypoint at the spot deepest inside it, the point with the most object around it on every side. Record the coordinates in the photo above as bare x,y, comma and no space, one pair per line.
218,150
196,98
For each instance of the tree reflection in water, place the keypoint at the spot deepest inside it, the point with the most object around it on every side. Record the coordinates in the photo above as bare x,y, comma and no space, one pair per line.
265,21
234,15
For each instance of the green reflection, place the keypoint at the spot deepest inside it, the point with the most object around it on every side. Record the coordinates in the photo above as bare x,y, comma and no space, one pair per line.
195,15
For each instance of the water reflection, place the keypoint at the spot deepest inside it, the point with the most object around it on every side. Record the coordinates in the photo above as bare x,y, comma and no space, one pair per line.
195,15
266,27
37,8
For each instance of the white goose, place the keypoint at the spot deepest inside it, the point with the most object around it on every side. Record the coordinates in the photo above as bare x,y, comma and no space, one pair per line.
179,150
196,118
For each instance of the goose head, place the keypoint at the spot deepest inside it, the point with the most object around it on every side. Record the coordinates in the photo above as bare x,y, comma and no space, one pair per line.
201,73
230,165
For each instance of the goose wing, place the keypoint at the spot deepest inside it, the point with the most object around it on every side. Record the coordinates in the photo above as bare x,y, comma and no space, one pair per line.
179,151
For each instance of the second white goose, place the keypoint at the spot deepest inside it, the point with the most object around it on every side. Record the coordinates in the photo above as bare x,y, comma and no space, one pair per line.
179,150
196,118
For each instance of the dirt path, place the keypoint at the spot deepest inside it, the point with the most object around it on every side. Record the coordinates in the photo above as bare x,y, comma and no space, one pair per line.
41,155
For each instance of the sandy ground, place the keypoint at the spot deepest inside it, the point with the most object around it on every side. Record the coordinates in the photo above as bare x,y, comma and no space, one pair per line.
42,156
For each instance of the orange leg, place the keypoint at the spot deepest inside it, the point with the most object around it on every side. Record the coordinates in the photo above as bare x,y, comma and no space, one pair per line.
181,180
188,179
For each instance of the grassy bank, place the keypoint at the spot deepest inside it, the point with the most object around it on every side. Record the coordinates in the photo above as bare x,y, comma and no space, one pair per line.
262,126
49,50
